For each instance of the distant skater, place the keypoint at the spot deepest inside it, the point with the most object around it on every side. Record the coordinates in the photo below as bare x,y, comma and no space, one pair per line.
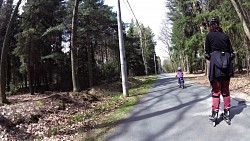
180,77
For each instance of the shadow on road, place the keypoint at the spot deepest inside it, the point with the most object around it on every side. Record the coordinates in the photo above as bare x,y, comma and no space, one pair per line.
133,118
236,110
137,118
164,81
165,89
165,86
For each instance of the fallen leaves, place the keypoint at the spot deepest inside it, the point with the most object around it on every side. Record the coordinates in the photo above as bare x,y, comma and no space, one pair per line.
40,116
52,116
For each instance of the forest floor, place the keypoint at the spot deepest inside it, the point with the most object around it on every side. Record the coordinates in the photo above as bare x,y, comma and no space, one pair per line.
77,116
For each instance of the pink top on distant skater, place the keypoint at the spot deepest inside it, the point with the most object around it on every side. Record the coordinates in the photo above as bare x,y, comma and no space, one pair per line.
179,74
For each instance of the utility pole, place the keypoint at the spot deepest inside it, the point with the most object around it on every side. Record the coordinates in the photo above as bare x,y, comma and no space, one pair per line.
155,63
122,53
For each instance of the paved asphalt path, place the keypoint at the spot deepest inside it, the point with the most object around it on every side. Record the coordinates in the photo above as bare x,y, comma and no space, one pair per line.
168,113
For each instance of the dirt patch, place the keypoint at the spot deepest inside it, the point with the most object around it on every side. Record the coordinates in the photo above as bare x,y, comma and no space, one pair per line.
53,116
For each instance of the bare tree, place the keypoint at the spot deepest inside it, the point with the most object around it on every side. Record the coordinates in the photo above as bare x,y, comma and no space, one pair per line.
164,37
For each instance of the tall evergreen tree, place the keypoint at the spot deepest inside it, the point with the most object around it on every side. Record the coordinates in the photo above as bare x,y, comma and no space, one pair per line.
32,46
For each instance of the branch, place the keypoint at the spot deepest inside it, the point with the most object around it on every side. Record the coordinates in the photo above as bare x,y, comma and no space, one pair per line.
240,14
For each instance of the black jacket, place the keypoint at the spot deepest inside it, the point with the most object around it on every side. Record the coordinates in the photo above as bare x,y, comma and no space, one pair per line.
221,67
218,48
218,41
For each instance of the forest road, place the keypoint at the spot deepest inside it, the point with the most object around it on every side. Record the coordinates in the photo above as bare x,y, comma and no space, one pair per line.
169,113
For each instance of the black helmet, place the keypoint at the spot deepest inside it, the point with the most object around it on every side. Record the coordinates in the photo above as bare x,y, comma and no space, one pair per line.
214,21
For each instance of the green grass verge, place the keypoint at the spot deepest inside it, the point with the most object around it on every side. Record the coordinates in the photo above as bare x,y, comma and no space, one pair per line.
110,119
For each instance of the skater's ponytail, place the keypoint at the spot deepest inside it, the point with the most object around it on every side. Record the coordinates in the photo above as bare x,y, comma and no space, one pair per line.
214,26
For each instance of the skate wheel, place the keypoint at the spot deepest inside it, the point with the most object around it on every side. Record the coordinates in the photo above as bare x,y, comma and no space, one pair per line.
228,122
214,123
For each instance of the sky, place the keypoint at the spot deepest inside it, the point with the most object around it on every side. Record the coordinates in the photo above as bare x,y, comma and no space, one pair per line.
148,12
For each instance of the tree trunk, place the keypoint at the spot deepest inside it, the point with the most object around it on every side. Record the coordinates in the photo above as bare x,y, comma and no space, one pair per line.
30,66
4,53
247,54
25,80
143,55
8,72
31,78
90,69
74,66
188,65
5,22
244,11
172,63
145,60
1,3
242,18
106,52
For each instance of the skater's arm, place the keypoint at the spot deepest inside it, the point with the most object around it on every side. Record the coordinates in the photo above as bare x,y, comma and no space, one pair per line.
207,45
207,48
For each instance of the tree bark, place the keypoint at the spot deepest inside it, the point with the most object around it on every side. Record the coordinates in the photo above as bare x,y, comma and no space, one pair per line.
5,22
1,3
246,41
74,66
90,69
242,18
8,73
244,11
4,53
30,66
188,65
25,80
143,55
